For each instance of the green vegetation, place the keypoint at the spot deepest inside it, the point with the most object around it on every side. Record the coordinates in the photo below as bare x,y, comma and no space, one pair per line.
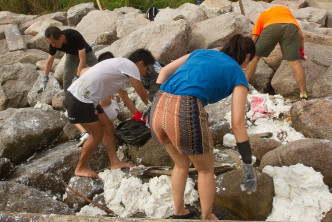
34,7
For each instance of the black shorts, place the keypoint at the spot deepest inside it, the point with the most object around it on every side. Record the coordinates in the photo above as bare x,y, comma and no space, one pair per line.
79,112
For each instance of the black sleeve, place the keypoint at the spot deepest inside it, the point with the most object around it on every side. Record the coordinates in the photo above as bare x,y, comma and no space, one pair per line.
51,50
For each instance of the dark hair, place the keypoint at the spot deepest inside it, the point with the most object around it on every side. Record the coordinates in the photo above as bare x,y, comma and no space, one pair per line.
238,47
54,32
142,54
104,56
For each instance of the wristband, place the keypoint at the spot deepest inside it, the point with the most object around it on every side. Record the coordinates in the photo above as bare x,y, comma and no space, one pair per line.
245,151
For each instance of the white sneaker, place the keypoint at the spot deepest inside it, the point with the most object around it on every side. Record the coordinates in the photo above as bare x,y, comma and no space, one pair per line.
84,137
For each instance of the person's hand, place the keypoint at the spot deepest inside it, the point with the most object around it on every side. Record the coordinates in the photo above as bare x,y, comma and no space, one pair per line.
249,182
137,116
302,54
146,113
43,85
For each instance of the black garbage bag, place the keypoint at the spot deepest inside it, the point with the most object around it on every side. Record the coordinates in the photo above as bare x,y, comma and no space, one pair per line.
133,132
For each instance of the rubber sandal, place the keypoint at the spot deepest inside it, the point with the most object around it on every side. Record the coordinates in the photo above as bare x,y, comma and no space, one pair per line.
186,216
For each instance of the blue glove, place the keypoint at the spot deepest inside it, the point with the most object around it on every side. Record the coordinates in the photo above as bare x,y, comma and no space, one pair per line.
146,113
43,85
249,182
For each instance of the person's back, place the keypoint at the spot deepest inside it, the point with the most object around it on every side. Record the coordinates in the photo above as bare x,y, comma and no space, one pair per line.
104,79
274,15
209,79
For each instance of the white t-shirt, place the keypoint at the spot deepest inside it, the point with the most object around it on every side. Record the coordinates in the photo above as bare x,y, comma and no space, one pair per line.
103,79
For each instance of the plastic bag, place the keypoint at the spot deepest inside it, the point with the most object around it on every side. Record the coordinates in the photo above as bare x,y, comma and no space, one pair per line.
133,132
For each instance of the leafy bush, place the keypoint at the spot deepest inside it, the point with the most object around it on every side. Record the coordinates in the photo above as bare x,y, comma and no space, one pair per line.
34,7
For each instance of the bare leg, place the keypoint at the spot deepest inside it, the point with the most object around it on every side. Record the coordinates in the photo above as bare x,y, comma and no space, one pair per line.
204,164
96,133
299,74
179,178
109,142
80,128
252,67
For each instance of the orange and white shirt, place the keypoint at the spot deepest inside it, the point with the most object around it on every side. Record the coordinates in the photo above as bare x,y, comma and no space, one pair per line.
273,15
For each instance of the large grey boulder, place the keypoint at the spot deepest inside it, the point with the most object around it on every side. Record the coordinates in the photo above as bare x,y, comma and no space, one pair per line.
262,78
166,41
21,198
52,88
32,56
291,4
318,73
16,81
256,206
49,169
38,42
319,39
77,12
213,8
313,118
311,14
274,59
215,32
41,25
190,12
7,17
27,130
252,9
130,23
313,153
150,154
260,146
96,23
88,187
58,16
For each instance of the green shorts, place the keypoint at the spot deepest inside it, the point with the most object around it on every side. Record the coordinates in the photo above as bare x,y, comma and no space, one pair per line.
286,34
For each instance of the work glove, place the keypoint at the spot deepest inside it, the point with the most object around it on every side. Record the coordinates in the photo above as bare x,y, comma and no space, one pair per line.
302,54
137,116
43,85
249,182
146,113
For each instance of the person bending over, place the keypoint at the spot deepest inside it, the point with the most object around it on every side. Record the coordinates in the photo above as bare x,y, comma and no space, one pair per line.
82,98
179,121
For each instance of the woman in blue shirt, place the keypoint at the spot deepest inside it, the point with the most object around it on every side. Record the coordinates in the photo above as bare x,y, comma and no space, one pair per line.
178,119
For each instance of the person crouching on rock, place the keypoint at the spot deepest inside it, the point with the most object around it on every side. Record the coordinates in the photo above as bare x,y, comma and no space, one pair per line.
82,98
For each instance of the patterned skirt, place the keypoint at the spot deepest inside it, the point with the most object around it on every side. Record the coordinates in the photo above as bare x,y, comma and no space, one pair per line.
182,121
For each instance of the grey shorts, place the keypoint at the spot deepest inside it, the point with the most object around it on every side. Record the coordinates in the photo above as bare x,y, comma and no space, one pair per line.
286,34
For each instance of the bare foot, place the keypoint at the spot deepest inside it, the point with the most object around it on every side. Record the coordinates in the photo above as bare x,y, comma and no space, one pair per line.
211,217
86,173
121,165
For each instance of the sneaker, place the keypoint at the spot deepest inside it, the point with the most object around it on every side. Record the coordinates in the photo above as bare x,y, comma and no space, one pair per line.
84,137
303,96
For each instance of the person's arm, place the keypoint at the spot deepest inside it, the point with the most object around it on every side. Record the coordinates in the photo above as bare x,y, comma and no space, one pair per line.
169,69
139,88
82,57
127,101
254,37
301,37
239,100
49,63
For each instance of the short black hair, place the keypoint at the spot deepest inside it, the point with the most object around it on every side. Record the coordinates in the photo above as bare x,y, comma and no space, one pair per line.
54,32
105,55
142,54
238,47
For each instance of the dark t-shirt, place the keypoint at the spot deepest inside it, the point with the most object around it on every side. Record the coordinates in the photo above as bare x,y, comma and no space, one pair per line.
75,42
